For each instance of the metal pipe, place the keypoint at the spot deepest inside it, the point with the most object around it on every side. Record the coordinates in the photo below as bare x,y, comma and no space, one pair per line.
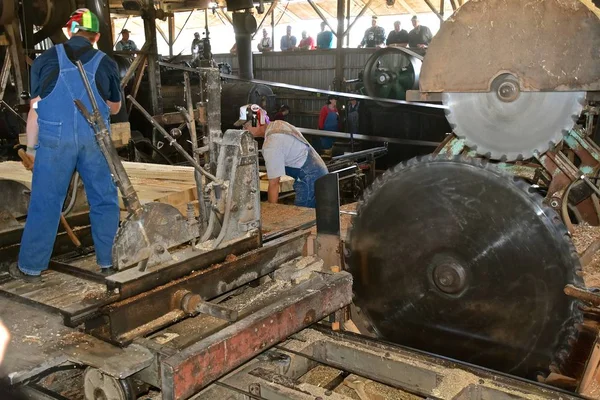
243,40
194,139
172,141
343,135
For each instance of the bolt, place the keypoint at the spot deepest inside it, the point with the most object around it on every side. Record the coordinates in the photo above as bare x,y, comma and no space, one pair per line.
554,203
159,249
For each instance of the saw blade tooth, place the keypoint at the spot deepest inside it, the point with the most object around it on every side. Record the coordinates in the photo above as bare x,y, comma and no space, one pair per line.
510,130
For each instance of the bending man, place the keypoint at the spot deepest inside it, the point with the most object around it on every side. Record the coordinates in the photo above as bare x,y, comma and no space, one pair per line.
286,152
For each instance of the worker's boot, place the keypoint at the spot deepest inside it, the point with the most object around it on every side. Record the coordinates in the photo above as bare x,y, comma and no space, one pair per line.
108,271
16,273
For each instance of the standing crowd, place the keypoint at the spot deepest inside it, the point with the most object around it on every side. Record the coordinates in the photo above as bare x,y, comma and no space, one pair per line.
418,37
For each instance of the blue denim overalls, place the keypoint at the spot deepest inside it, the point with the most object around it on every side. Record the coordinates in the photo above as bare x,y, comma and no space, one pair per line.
66,143
331,124
305,176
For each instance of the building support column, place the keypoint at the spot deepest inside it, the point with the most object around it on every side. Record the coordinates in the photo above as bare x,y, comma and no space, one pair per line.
339,59
171,36
153,68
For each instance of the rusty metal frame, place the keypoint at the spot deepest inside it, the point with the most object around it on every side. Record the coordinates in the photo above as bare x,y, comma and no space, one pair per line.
187,372
148,312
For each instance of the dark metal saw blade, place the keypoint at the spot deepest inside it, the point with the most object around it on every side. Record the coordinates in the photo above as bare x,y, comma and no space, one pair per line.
458,259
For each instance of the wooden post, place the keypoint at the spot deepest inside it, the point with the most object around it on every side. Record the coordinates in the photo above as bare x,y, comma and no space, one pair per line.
153,69
430,4
270,11
339,61
17,55
171,22
442,6
273,30
348,12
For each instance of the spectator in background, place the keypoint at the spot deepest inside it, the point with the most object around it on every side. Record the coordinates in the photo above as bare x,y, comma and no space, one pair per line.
265,44
282,114
420,36
233,49
197,44
397,37
288,42
352,118
125,44
324,38
374,36
307,42
328,121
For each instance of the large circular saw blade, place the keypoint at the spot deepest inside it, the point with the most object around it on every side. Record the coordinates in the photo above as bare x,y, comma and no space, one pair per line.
458,259
533,122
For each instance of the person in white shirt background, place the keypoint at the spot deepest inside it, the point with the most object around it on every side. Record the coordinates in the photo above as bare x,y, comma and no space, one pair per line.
286,152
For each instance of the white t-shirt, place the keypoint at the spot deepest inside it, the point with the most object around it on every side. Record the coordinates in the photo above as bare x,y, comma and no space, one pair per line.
282,150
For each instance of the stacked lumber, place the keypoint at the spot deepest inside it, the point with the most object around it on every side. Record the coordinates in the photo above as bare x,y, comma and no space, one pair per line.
170,184
120,133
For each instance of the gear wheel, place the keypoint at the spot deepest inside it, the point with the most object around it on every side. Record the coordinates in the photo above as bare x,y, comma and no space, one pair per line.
456,258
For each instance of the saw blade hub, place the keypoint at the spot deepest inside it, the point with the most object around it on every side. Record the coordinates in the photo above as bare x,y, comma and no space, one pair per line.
449,277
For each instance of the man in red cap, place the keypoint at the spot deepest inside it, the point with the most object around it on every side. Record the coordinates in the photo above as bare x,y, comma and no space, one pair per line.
286,152
60,141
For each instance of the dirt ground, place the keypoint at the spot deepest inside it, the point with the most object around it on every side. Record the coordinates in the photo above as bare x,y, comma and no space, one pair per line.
583,236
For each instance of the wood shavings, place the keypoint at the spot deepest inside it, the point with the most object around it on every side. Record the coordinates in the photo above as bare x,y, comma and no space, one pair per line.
583,236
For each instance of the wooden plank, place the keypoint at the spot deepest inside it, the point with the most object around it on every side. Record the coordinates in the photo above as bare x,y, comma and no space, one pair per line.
286,183
120,133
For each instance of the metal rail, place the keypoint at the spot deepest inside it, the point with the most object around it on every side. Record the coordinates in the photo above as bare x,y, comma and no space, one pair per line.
335,93
369,138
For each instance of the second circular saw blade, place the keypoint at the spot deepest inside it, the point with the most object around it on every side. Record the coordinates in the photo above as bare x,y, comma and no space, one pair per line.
534,122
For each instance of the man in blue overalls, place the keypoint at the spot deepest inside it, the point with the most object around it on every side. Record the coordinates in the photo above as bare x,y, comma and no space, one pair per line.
60,141
286,152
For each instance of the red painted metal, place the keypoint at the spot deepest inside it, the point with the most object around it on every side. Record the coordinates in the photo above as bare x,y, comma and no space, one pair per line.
187,372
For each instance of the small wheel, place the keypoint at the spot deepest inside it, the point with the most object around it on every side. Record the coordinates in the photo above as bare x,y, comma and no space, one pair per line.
99,386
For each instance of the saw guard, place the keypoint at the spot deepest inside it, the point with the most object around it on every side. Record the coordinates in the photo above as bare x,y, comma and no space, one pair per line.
149,234
533,40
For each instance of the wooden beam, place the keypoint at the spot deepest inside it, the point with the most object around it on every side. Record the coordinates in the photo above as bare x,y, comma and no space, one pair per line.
226,16
320,14
430,4
454,5
171,26
163,34
5,74
271,9
135,64
360,14
408,8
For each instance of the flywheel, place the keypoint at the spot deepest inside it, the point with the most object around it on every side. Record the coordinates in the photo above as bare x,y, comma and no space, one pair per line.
459,259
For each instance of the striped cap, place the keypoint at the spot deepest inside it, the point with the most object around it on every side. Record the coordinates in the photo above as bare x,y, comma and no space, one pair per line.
85,20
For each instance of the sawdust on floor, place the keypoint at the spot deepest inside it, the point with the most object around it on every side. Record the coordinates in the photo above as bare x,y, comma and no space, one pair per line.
583,236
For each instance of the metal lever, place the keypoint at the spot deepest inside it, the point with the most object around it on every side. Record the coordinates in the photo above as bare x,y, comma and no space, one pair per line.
95,119
173,142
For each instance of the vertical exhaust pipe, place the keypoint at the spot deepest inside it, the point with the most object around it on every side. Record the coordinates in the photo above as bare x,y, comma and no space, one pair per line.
101,9
244,25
